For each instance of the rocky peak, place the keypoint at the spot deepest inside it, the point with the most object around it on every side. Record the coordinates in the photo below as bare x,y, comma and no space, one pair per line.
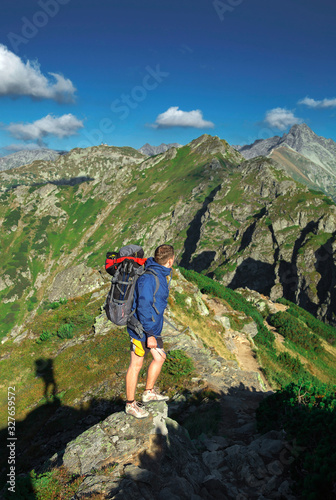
211,145
300,138
149,150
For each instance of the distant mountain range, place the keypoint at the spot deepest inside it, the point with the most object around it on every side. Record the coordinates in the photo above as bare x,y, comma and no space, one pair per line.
149,150
307,157
26,156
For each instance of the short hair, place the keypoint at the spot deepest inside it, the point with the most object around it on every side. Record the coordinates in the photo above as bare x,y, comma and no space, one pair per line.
163,253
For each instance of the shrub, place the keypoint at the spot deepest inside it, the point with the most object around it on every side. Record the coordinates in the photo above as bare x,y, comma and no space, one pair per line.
318,327
293,365
178,364
295,330
56,304
45,335
66,331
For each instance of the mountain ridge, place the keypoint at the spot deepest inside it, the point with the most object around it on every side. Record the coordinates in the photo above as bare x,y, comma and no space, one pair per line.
27,156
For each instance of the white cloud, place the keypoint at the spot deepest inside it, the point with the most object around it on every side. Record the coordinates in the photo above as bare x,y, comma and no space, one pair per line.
313,103
175,117
281,118
25,79
61,126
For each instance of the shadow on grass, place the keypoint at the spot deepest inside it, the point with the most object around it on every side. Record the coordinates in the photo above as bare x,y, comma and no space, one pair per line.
46,430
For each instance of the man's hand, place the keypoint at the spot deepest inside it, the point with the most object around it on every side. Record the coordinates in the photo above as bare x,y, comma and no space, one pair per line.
151,342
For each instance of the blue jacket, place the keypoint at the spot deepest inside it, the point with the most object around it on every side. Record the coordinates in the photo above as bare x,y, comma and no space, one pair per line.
151,321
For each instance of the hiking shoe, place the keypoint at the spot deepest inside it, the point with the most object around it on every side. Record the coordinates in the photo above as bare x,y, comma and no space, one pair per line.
153,395
136,409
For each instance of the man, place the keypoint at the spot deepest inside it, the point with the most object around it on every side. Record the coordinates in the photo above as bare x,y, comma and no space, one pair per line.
149,311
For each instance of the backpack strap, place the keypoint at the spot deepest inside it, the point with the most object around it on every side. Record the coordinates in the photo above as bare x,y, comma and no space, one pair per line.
157,286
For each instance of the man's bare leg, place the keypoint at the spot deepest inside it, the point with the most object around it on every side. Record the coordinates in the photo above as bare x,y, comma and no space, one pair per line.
154,368
132,375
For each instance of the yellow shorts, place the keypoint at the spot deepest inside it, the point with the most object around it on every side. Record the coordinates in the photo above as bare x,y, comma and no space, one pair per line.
140,348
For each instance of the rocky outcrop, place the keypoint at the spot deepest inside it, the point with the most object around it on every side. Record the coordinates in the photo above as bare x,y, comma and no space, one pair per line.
74,281
154,458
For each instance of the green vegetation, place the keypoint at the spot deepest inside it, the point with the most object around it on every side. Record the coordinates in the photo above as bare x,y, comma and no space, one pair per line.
301,330
318,327
178,364
307,411
45,335
295,330
50,485
56,304
66,331
12,218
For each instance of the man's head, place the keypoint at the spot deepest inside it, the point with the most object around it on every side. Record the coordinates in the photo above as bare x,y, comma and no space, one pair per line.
164,255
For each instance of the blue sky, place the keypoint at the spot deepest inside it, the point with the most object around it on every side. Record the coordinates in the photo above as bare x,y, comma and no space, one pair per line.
79,72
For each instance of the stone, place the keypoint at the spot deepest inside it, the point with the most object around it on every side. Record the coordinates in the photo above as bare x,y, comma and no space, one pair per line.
250,329
74,281
167,494
180,487
223,320
246,463
213,459
138,474
19,338
275,468
216,443
267,447
202,308
95,484
215,488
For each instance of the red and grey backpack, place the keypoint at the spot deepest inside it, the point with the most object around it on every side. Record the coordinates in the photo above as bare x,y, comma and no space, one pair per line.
125,267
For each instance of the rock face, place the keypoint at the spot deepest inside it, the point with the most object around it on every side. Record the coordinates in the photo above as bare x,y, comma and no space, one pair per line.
268,234
125,458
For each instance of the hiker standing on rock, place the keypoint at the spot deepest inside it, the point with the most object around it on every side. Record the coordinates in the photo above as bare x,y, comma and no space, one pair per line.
150,302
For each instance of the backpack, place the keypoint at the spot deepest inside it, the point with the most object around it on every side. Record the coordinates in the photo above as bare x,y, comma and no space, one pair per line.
125,267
